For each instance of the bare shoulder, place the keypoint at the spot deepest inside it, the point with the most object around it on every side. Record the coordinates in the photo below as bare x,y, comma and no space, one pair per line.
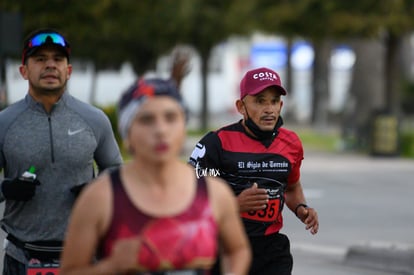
221,196
97,193
99,189
218,187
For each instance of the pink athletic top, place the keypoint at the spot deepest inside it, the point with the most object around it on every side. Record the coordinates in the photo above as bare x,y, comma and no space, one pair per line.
168,243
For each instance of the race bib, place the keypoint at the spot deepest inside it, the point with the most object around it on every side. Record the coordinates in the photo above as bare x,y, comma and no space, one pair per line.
176,272
272,210
43,269
267,215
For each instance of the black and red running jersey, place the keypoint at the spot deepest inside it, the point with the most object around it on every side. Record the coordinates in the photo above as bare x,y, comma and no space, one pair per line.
242,160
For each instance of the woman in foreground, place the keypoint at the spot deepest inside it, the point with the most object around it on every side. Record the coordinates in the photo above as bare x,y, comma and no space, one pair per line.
153,215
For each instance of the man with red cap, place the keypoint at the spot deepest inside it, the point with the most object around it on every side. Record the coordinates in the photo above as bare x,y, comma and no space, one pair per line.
261,162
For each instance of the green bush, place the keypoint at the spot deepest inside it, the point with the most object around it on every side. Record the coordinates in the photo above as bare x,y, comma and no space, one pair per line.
318,140
111,112
407,144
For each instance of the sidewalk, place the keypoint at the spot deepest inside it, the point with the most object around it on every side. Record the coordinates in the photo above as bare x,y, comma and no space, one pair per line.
392,257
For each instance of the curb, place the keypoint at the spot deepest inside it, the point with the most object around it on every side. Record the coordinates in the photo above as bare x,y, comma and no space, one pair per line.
385,256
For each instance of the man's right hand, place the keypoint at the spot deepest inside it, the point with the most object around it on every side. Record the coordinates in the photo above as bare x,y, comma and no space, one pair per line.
19,189
252,199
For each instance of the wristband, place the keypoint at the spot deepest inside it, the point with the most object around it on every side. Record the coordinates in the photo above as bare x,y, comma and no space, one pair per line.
297,207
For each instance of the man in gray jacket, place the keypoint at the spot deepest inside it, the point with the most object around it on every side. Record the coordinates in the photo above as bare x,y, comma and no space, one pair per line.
58,136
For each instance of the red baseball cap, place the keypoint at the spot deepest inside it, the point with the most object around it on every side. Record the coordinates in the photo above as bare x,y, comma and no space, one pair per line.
256,80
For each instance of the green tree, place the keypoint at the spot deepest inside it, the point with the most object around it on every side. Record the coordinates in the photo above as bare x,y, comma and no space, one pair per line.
322,21
209,23
110,32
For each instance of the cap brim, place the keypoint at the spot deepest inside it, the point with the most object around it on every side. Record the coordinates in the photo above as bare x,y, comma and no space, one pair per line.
33,50
261,88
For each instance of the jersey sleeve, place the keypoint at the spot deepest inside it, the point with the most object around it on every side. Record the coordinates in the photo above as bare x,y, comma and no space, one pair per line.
107,154
294,175
206,153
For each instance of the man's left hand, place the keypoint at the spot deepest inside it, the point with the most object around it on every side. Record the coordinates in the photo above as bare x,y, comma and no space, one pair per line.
309,217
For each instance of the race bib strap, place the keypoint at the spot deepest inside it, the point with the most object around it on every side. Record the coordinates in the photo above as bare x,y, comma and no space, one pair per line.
177,272
41,250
